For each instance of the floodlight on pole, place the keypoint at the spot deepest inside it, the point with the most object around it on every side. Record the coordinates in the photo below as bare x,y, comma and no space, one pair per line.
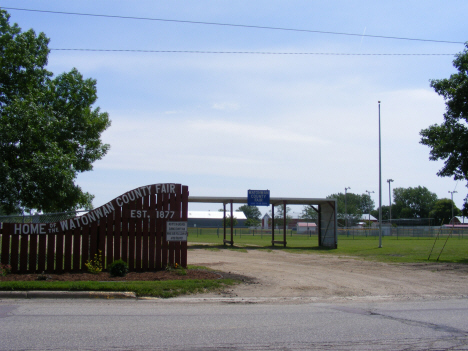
345,207
451,194
369,192
390,201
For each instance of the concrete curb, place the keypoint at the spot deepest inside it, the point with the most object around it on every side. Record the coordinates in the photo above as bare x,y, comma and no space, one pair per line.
67,295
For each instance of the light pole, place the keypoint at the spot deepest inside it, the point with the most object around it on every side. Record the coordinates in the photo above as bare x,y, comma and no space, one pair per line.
380,186
451,194
368,193
390,201
345,207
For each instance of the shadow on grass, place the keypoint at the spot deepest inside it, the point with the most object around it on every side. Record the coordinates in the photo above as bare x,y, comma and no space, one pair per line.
253,248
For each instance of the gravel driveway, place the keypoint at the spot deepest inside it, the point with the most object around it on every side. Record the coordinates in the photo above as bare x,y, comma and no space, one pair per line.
317,277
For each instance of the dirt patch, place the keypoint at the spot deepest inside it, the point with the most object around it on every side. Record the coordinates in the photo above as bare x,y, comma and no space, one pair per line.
283,274
105,276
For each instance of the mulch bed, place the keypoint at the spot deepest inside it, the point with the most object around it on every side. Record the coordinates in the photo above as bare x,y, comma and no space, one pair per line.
105,276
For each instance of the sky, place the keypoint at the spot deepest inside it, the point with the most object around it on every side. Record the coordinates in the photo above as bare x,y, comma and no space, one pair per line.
302,122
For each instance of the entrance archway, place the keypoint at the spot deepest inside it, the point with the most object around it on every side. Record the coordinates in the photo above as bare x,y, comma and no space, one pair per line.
326,209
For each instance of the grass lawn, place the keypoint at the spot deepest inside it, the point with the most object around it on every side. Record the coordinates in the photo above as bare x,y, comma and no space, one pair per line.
163,289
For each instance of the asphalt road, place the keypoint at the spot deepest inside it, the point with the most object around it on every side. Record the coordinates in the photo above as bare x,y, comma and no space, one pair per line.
47,324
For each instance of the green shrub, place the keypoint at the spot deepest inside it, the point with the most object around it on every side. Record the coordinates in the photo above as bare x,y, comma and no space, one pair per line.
95,266
118,268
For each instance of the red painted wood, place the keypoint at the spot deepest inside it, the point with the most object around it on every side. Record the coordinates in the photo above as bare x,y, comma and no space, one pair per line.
68,250
59,238
164,243
42,253
102,239
76,249
32,253
23,268
50,253
131,240
124,223
138,237
145,248
152,234
109,240
117,232
7,228
159,234
184,210
14,255
84,246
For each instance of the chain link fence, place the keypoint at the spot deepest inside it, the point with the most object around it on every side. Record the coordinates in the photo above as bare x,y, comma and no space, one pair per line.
40,218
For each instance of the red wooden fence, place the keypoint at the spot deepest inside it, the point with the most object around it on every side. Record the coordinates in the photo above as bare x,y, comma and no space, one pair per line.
131,227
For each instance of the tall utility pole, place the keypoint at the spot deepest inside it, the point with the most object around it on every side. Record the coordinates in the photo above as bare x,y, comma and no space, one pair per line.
345,207
451,194
380,186
390,201
368,193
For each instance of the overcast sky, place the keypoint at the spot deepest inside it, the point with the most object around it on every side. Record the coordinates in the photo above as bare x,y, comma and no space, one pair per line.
300,125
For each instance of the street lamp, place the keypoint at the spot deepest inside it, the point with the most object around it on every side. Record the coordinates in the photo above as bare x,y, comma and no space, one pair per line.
345,207
390,201
369,192
380,186
451,194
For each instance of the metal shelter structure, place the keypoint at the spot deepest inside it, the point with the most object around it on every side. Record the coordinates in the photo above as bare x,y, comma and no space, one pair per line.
326,210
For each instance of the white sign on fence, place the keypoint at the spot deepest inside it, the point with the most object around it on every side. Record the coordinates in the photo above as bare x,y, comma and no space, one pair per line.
176,231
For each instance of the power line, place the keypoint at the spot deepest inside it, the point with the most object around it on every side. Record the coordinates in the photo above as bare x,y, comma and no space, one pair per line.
245,52
235,25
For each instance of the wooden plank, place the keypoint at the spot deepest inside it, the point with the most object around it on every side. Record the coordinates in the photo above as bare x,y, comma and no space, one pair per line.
14,253
145,248
164,243
68,250
50,253
101,243
93,240
24,241
125,224
76,249
6,236
176,207
138,237
184,217
32,253
131,240
42,253
59,237
84,246
117,232
159,233
110,241
152,234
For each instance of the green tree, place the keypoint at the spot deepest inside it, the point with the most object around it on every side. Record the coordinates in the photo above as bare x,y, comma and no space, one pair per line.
442,211
279,215
251,212
413,202
449,140
228,221
253,215
309,212
354,205
49,131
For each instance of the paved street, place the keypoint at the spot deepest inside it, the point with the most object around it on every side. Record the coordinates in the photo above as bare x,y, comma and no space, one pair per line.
46,324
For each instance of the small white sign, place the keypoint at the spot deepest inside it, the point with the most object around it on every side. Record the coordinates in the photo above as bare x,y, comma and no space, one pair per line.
176,231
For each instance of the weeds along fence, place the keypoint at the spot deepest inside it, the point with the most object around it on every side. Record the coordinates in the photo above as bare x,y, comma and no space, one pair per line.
404,232
350,233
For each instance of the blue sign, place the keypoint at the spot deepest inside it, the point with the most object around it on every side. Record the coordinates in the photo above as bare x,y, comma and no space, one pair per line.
258,197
